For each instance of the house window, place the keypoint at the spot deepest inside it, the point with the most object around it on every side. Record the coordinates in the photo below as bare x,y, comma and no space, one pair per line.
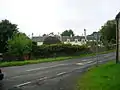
76,40
83,40
68,40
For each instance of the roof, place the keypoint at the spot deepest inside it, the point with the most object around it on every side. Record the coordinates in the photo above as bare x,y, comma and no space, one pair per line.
38,39
91,38
117,16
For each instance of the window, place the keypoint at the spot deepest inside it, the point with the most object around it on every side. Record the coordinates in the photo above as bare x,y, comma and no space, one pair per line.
68,40
76,40
83,40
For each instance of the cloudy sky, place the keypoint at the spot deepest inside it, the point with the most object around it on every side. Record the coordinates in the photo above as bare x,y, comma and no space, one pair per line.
45,16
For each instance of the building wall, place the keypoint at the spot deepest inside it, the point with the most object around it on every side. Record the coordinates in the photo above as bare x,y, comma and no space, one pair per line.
73,43
39,43
66,40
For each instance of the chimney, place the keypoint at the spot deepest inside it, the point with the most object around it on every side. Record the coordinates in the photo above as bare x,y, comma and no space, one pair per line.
32,35
85,35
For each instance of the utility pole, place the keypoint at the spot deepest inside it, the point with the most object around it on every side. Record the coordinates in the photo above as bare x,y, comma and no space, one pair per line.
96,37
117,37
97,49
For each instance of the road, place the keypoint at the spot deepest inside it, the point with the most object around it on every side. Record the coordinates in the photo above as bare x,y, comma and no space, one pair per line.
60,75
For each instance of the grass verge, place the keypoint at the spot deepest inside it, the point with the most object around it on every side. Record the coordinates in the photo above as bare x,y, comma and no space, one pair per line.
20,63
93,54
104,77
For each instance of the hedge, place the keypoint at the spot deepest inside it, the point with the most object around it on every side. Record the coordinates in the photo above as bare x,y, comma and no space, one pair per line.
56,50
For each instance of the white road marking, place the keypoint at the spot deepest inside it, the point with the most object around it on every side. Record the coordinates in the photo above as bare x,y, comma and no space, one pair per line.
15,77
79,63
107,56
84,60
23,84
34,69
61,73
43,78
89,62
44,67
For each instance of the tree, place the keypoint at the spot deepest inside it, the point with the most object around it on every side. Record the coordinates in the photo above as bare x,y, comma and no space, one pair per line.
52,33
19,45
44,35
108,32
67,33
6,31
51,40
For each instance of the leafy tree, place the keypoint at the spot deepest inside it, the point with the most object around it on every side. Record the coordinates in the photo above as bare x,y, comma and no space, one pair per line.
94,33
67,33
51,40
108,32
44,35
52,33
19,45
6,31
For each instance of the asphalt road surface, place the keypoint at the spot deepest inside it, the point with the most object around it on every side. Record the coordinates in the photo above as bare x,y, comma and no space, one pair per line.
60,75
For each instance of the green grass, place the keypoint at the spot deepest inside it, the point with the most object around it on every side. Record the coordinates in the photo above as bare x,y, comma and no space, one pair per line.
104,77
93,54
20,63
107,51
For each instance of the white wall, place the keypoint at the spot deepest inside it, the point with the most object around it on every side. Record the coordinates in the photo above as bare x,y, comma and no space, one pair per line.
73,43
39,43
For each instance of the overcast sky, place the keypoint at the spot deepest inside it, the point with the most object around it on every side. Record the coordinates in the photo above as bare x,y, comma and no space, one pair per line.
45,16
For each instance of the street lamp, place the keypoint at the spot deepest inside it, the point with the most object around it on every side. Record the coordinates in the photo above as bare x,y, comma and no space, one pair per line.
117,18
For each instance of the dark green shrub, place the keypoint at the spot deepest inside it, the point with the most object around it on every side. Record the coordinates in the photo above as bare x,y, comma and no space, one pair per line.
57,50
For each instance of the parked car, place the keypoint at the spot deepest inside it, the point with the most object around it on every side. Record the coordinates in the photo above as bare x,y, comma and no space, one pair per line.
1,75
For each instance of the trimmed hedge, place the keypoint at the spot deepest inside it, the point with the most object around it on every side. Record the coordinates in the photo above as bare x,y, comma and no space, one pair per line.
54,50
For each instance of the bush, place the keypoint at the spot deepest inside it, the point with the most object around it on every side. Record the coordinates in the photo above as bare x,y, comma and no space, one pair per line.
20,45
54,50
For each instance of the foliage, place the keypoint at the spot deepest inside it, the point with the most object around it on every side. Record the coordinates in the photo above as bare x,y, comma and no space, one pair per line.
19,45
104,77
108,32
94,33
6,31
20,63
51,40
92,45
67,33
56,49
44,35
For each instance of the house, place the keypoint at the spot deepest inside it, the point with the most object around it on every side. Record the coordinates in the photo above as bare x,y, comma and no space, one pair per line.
75,40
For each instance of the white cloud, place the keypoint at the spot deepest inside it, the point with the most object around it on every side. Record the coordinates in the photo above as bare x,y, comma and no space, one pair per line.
45,16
